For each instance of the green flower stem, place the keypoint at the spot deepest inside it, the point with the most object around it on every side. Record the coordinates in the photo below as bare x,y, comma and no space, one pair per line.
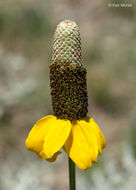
72,180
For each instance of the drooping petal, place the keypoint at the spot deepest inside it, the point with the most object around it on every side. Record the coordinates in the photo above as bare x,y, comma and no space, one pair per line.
48,136
56,136
35,139
84,143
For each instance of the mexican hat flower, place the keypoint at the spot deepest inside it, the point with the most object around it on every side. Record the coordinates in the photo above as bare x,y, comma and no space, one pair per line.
69,128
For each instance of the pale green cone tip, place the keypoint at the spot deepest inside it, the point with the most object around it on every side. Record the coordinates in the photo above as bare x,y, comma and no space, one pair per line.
67,43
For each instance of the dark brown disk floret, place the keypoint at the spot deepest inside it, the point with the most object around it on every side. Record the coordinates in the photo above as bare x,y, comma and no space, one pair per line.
68,91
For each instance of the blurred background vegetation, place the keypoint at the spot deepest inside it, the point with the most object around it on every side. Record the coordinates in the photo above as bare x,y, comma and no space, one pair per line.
109,54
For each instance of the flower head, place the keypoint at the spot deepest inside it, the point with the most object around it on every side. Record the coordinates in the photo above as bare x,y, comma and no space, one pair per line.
69,128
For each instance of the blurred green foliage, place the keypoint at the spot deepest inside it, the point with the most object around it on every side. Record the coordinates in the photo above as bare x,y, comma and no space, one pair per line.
26,27
132,138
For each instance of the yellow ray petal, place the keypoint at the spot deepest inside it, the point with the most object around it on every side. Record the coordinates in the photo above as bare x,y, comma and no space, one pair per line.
100,137
84,143
35,139
56,136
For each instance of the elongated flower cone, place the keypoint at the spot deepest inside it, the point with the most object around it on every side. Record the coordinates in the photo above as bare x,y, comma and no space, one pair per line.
67,74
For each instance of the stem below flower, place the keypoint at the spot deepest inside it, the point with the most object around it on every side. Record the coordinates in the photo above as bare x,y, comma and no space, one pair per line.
72,181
